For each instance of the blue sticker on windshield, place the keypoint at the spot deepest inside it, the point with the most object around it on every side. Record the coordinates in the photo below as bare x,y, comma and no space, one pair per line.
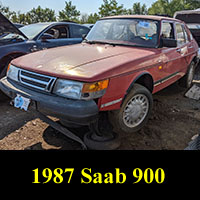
147,37
144,24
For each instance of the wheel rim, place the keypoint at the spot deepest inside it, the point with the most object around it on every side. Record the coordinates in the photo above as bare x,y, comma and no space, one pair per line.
136,110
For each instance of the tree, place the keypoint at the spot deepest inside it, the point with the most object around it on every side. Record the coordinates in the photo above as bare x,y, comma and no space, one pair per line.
6,11
160,7
110,8
40,15
69,13
139,9
169,7
92,18
194,4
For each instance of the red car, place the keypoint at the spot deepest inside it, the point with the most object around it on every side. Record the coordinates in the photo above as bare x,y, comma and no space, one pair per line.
114,72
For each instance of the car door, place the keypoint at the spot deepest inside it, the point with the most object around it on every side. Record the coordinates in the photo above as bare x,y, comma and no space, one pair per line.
174,61
58,36
77,32
183,47
190,45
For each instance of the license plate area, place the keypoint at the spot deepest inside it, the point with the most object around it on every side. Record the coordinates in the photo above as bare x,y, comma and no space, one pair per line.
21,102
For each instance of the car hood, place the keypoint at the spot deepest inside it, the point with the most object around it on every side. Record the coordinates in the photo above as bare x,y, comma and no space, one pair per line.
7,27
83,62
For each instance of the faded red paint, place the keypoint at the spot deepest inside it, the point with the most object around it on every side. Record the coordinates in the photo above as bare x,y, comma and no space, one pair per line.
121,65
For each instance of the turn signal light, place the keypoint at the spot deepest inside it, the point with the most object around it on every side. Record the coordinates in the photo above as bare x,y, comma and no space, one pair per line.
95,87
8,67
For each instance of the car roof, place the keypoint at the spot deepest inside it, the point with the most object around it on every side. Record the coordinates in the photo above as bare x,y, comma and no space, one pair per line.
56,23
153,17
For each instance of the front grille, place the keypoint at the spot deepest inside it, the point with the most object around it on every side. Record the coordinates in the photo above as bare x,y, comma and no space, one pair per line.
37,81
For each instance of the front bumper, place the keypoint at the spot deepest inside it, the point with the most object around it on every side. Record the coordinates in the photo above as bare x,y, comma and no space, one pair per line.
73,111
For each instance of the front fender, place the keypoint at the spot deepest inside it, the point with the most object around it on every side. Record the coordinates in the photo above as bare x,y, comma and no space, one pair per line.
118,89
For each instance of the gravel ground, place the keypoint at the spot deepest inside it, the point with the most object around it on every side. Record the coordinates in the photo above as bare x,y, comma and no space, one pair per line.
174,121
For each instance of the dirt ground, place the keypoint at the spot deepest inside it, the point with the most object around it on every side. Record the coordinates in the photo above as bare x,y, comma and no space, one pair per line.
174,121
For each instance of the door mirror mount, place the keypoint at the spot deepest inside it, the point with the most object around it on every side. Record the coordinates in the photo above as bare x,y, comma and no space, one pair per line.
46,37
170,43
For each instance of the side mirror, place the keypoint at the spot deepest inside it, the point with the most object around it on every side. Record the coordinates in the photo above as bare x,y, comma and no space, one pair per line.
166,42
46,37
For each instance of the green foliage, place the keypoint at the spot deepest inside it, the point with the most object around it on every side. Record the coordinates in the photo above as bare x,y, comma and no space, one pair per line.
41,15
70,13
6,11
34,16
107,8
110,8
169,7
139,9
92,18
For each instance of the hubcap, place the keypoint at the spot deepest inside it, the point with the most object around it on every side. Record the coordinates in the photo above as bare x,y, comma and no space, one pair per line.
135,110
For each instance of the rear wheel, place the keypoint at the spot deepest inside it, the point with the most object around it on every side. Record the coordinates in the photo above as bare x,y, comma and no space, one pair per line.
187,80
134,112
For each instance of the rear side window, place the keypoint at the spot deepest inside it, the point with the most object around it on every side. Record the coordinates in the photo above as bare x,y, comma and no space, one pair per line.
78,31
181,40
186,34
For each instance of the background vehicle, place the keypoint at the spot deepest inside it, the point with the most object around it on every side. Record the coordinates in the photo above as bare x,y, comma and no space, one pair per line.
124,60
89,25
16,42
18,25
192,19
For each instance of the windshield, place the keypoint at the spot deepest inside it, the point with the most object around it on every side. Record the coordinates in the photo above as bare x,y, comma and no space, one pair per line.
30,31
134,32
33,30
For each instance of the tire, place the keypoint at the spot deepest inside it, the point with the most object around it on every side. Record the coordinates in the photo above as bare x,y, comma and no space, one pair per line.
70,124
186,81
95,142
134,112
3,72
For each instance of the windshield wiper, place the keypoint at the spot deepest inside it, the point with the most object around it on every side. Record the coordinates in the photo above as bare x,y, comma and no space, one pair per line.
14,37
98,42
129,45
111,43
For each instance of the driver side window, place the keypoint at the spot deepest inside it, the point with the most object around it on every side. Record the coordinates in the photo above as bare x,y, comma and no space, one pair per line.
167,30
58,32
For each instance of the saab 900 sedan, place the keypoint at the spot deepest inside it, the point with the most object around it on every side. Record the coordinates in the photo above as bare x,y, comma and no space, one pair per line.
121,63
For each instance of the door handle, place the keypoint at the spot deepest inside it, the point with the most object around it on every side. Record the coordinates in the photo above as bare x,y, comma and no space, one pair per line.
34,48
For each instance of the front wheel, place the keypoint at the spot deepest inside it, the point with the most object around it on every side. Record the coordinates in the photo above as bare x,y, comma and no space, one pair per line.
3,72
134,111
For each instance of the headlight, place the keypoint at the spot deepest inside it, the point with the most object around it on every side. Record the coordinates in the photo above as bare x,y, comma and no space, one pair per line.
69,89
13,72
79,90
